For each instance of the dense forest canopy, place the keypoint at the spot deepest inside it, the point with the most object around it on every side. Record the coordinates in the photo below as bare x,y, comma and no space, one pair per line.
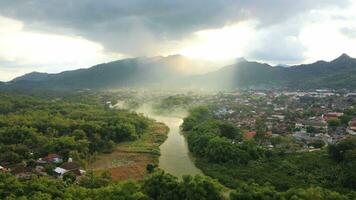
32,127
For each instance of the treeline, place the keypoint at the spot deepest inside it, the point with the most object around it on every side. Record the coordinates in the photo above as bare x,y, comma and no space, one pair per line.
216,140
222,154
252,191
176,103
344,153
32,127
99,187
157,186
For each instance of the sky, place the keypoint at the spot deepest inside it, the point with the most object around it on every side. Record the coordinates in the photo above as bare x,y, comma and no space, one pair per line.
53,36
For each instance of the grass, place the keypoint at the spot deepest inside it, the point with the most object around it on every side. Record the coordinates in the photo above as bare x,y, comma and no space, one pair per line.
129,159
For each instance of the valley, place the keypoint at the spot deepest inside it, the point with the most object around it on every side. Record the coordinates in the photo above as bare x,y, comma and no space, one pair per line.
178,100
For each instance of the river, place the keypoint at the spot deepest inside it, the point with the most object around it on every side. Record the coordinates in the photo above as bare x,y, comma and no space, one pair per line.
175,157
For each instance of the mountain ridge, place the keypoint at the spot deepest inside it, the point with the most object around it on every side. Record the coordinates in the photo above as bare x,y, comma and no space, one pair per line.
170,71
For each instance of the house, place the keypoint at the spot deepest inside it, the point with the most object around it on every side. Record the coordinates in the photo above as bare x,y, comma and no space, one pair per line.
4,169
50,158
249,135
351,129
268,134
22,172
69,167
303,136
60,171
331,115
311,123
279,117
352,95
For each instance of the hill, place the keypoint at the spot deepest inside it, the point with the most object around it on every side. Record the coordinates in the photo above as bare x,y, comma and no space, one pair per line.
177,72
338,73
122,73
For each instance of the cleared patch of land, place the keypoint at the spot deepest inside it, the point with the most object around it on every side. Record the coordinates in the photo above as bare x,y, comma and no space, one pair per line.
129,159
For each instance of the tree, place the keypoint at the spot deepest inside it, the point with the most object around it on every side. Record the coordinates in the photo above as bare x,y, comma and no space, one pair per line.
313,193
255,192
40,196
230,131
311,129
317,143
150,167
189,123
10,185
79,134
334,122
69,177
345,147
219,150
91,180
199,187
161,186
261,129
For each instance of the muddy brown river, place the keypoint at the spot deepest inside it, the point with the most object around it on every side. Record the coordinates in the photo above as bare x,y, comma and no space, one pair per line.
175,157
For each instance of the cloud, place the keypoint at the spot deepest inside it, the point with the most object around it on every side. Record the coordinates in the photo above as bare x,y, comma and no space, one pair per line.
349,32
220,44
146,27
278,44
22,51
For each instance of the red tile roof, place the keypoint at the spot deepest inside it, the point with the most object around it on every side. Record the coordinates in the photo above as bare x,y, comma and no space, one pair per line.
51,157
70,166
249,135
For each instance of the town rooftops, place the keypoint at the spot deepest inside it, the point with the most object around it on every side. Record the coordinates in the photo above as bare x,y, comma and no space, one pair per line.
313,123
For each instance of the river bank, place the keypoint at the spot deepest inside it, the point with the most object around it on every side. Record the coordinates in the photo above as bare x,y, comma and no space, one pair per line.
163,145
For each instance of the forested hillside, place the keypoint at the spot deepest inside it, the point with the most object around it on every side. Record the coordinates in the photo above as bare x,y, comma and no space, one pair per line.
321,74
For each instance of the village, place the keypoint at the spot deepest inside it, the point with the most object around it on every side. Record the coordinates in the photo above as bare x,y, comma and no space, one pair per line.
311,119
318,117
51,165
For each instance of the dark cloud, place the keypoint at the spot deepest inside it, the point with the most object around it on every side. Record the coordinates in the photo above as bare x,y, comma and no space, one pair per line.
138,27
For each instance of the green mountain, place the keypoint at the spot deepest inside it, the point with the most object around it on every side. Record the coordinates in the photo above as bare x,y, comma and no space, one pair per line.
339,73
133,72
173,72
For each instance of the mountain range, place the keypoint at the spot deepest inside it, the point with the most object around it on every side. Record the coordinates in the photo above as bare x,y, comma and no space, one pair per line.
176,72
